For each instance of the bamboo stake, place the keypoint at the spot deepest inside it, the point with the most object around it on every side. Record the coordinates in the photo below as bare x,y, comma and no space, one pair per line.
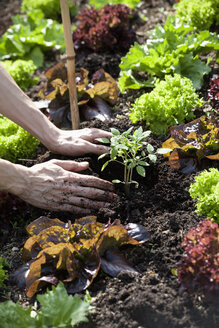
70,55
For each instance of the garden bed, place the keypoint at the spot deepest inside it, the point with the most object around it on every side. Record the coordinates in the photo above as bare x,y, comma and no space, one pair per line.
162,204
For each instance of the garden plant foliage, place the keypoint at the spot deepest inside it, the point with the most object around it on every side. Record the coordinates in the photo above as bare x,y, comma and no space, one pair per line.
15,142
171,102
172,48
30,36
3,272
107,28
192,142
93,94
205,190
58,309
213,92
50,8
74,252
127,149
200,14
101,3
198,267
21,71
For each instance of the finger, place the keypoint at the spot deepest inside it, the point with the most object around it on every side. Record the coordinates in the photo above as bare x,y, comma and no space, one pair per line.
93,133
91,181
88,192
72,165
96,149
66,207
84,202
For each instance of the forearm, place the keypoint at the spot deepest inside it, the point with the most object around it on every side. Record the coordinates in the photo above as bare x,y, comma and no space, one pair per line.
19,108
12,177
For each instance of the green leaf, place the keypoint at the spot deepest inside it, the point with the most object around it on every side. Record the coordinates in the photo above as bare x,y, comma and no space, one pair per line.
127,133
36,55
143,163
163,150
100,3
152,158
115,132
103,155
14,315
114,152
103,140
141,171
116,181
132,165
150,148
104,165
58,309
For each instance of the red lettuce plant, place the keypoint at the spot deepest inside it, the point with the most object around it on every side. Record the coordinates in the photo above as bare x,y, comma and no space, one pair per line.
74,252
105,29
198,268
213,92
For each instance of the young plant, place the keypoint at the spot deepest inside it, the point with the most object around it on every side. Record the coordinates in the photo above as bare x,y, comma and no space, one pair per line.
21,71
198,267
107,28
74,252
206,190
57,309
15,142
128,147
171,102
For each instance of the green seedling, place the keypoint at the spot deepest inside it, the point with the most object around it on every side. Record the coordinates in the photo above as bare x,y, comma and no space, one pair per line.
129,148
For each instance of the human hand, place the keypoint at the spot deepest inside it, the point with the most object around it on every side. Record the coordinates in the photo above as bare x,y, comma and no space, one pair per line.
55,186
79,142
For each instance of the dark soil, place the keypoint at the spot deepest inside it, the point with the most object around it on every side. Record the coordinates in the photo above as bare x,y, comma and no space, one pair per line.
161,203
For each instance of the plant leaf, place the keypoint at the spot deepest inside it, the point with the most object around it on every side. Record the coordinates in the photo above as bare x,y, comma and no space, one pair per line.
153,158
150,149
57,307
138,232
43,222
141,170
112,263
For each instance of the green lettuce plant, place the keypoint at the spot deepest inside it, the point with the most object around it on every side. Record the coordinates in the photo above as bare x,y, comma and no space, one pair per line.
15,142
101,3
58,309
21,71
172,48
128,147
171,102
200,14
205,190
30,36
50,8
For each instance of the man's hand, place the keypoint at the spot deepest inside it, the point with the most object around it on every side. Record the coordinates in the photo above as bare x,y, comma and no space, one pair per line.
55,186
79,142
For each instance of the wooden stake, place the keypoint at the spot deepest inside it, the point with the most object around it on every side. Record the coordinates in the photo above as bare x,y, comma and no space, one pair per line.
70,55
